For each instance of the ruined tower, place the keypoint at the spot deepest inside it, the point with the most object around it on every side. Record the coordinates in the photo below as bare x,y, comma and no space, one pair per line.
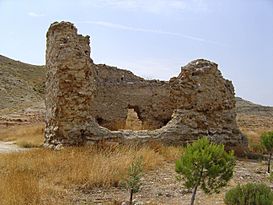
69,86
86,102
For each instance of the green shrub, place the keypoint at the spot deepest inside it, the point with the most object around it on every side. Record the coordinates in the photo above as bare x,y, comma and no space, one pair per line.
249,194
267,142
206,165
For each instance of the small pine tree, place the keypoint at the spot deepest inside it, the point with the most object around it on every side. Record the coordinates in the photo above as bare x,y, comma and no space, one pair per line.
271,177
132,182
249,194
206,165
267,143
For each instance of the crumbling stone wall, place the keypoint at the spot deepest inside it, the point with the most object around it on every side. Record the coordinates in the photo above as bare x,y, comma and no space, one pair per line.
69,85
86,102
118,90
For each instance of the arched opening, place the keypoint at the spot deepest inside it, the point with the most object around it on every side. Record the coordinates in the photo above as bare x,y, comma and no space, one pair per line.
132,120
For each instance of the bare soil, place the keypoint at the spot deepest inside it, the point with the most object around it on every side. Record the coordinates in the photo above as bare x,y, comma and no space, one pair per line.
7,147
161,187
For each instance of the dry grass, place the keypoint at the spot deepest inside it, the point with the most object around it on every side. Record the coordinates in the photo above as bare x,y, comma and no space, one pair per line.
24,135
19,187
170,153
254,137
31,177
44,176
252,127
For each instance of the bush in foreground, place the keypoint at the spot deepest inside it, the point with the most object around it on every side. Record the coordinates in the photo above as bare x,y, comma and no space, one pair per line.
206,165
249,194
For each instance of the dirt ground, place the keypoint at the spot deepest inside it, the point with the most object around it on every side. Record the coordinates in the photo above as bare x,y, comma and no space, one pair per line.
6,147
160,187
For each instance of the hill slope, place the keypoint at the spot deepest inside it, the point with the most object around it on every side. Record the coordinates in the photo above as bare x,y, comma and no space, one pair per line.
247,107
253,119
21,84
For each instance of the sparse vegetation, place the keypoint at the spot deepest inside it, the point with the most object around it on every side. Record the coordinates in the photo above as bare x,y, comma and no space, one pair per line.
253,120
206,165
249,194
46,177
132,181
17,83
255,147
46,171
267,142
24,135
253,135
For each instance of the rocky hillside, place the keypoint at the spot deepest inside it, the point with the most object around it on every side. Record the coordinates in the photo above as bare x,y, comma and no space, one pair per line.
247,107
253,116
253,119
22,86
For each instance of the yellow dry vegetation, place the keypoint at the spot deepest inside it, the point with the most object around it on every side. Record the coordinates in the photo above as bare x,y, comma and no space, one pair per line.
254,136
253,126
24,135
42,176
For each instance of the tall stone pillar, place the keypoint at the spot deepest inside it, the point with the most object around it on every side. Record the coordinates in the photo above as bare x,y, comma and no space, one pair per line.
70,86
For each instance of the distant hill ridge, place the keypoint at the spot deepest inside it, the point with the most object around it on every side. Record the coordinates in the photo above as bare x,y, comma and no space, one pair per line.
244,106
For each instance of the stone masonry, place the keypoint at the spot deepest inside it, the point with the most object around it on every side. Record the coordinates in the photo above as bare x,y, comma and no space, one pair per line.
86,103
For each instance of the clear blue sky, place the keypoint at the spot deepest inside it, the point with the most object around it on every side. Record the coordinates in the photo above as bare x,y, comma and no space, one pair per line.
154,38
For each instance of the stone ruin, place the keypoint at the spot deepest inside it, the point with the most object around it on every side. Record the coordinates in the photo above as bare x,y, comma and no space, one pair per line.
87,103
